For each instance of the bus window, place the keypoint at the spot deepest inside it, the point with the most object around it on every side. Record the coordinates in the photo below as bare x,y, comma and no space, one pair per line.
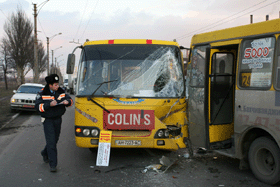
256,63
222,63
221,88
136,71
198,67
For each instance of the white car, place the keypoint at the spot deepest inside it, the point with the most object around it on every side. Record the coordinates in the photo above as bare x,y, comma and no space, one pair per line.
25,96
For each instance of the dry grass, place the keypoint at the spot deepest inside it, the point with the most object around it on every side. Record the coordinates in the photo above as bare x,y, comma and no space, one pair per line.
5,96
5,113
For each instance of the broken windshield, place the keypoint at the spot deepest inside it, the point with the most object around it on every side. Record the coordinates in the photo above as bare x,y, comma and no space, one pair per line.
139,71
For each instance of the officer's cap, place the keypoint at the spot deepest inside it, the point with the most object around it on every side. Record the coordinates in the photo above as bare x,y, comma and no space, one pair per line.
53,78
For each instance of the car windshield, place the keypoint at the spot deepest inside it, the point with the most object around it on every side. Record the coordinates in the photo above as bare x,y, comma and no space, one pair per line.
136,71
29,89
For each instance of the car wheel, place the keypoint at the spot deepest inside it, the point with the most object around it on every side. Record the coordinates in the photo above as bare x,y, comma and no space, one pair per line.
264,160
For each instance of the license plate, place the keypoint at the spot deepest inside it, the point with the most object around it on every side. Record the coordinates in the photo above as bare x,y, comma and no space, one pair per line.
128,142
28,106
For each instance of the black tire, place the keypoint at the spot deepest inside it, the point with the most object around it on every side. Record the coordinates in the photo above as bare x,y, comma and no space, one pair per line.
264,160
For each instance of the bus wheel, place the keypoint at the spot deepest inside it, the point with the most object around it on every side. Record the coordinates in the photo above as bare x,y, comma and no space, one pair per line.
264,160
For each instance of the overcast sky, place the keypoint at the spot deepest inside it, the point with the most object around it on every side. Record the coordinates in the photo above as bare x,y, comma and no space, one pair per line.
79,20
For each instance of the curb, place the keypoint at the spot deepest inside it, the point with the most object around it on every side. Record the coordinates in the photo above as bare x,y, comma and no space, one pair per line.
13,117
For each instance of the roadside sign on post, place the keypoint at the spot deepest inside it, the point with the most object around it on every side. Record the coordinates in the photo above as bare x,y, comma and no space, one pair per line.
104,146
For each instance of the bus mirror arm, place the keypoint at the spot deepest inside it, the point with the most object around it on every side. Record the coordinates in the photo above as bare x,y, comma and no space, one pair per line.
182,47
80,46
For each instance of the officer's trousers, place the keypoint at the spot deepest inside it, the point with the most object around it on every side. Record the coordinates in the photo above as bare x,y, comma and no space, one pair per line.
52,129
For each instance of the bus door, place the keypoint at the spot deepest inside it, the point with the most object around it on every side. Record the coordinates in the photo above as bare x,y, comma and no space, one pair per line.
220,101
197,69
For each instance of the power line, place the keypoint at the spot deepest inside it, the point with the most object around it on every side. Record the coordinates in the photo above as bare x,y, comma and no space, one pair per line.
90,18
219,20
42,27
223,20
4,14
81,19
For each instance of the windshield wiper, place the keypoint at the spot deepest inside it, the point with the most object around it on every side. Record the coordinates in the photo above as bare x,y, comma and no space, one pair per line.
90,97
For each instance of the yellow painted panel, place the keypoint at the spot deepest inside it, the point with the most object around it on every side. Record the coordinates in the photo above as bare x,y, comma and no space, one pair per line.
220,132
231,42
270,26
89,114
131,41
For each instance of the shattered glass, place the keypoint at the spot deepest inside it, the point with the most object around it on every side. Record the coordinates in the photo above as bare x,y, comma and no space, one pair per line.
137,71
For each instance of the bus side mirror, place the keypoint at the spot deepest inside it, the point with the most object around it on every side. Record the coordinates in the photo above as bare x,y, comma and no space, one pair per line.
70,64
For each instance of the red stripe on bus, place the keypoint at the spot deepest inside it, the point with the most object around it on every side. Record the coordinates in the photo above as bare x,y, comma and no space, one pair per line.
111,42
149,41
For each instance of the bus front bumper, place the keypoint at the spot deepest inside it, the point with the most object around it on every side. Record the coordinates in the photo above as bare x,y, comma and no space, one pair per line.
134,142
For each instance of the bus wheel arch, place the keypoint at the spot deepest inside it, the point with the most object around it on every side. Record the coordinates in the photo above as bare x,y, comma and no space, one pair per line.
264,160
246,141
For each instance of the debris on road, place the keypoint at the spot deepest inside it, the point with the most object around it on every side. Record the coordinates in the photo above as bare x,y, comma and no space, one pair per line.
165,164
165,161
201,150
154,167
97,171
186,155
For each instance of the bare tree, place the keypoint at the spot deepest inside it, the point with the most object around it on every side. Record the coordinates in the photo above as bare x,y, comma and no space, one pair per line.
42,59
7,62
18,29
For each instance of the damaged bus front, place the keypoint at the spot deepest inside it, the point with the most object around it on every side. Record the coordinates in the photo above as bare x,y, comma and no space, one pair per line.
134,88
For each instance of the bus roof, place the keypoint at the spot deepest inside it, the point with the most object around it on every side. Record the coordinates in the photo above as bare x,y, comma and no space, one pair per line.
266,27
130,41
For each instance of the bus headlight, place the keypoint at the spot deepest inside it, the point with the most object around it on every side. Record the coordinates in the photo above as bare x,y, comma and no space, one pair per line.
86,132
160,133
166,133
94,132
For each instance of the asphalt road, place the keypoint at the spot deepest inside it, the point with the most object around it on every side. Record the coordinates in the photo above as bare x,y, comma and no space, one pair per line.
21,163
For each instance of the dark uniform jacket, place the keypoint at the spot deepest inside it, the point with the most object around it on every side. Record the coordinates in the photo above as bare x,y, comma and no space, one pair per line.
45,97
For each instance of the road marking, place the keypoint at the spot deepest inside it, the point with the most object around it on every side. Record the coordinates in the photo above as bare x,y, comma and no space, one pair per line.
13,117
4,98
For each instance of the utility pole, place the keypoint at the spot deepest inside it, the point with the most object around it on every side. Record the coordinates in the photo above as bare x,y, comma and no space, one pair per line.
48,51
36,70
55,66
52,54
48,60
36,65
52,57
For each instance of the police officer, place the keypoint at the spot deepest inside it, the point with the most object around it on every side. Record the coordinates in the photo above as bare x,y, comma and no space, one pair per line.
51,103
